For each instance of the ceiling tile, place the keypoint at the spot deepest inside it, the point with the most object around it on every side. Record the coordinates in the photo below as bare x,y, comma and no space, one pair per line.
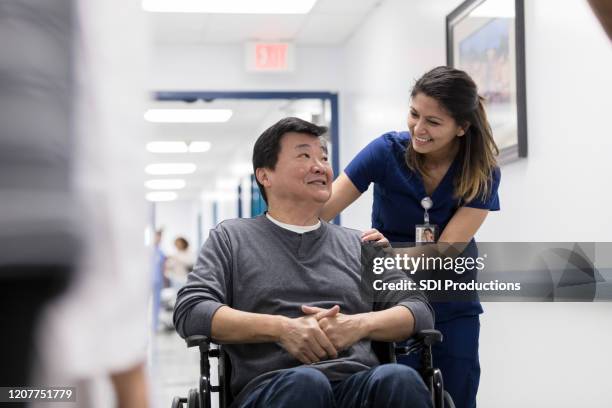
344,7
240,28
327,29
178,28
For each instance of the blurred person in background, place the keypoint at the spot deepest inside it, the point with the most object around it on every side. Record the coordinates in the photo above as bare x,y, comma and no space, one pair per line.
159,265
71,192
180,263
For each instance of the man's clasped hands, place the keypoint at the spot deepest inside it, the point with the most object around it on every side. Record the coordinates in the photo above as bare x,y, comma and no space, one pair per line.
322,333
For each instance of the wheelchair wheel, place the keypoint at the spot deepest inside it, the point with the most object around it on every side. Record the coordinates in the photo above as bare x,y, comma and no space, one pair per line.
193,399
177,402
448,400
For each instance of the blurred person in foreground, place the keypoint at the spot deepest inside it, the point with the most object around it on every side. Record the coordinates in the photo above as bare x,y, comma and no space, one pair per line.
72,200
39,222
603,11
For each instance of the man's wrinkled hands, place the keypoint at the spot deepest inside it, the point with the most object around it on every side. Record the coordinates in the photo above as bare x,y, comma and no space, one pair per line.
304,339
342,330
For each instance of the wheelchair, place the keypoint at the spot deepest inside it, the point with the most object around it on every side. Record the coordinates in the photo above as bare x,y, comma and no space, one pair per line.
386,353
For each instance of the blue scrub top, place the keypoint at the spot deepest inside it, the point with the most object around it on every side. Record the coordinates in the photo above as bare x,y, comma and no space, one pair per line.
398,192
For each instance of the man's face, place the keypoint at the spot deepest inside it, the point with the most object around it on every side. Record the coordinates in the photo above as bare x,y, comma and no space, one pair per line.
302,173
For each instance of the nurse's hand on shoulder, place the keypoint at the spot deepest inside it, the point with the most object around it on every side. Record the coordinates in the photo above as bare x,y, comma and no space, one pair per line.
373,235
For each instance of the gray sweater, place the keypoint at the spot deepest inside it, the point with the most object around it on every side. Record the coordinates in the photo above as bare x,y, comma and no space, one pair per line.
253,265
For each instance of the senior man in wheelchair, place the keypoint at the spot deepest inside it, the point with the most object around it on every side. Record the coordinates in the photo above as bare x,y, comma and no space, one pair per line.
282,291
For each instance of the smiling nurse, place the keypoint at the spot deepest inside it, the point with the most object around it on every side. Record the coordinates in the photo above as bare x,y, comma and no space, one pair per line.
449,157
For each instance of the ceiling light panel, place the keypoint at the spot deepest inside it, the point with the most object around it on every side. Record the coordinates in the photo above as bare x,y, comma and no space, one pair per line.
167,147
229,6
188,115
165,184
199,147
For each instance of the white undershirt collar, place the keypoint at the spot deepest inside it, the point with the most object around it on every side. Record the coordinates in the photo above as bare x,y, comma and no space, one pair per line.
300,229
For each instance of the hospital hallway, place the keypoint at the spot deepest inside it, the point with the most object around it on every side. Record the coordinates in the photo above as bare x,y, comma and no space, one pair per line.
161,160
172,367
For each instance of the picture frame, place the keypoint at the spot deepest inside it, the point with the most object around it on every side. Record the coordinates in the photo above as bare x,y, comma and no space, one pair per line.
486,39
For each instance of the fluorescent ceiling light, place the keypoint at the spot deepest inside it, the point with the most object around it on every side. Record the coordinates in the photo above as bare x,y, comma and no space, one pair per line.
178,147
199,147
162,169
165,184
188,115
230,6
167,147
161,196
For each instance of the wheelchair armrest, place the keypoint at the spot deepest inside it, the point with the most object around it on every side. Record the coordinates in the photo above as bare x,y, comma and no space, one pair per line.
203,342
423,338
197,340
429,337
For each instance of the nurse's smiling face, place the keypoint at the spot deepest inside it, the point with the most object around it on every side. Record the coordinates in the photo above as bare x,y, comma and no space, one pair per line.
434,132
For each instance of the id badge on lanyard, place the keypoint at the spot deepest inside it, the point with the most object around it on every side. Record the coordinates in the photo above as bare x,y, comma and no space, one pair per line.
426,233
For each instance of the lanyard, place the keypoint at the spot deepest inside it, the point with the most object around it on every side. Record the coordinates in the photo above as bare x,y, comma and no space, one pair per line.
426,203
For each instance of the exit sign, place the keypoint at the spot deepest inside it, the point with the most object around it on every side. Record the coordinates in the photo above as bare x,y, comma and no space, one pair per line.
270,57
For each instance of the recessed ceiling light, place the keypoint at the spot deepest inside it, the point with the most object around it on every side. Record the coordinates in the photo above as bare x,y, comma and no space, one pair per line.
230,6
165,184
199,147
162,169
188,115
167,147
161,196
178,147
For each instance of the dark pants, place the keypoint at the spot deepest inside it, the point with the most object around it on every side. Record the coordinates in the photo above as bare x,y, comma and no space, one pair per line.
388,385
457,358
21,301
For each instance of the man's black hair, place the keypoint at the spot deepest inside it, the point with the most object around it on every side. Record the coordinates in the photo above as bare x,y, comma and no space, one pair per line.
267,146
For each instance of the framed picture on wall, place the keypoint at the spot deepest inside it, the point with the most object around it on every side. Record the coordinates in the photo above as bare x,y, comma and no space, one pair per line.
486,39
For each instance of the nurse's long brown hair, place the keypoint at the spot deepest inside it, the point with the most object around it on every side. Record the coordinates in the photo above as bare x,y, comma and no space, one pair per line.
456,92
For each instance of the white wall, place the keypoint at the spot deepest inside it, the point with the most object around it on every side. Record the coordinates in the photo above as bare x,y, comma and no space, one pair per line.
222,67
569,60
532,355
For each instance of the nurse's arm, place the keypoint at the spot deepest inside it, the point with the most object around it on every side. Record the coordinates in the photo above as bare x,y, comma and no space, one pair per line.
463,225
344,193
